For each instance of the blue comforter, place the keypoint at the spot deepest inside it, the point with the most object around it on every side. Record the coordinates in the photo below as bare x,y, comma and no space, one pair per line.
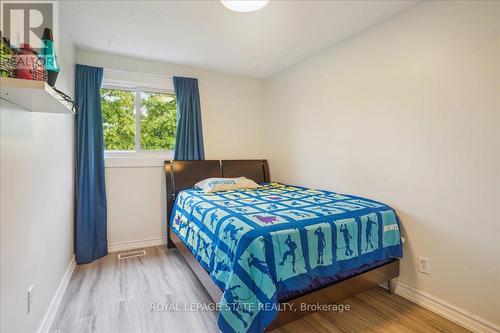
258,243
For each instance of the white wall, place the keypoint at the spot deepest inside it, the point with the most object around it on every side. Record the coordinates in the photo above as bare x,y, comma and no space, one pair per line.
36,203
232,118
408,113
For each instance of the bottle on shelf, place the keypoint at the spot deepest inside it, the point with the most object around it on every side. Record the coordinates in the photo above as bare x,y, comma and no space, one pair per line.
48,54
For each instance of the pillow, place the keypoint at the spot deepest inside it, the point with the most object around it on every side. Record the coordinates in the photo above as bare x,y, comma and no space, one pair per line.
211,185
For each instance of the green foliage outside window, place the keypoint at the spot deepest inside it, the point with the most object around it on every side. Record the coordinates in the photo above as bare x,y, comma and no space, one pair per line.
158,120
118,119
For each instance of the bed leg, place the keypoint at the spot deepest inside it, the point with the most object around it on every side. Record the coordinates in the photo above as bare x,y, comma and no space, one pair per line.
391,284
170,244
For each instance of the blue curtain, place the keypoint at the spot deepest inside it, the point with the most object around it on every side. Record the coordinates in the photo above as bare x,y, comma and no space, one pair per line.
189,137
90,220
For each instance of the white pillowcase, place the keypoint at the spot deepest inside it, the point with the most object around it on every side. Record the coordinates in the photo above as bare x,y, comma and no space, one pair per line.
211,185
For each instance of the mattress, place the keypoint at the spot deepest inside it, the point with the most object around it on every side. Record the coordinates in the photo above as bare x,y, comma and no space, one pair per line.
266,245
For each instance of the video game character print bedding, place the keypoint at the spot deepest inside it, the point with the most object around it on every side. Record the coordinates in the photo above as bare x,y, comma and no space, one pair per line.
256,243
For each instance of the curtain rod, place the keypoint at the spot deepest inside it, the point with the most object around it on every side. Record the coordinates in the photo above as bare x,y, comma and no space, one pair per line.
140,73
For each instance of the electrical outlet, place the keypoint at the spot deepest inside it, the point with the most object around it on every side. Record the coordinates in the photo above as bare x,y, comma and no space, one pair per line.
30,298
424,265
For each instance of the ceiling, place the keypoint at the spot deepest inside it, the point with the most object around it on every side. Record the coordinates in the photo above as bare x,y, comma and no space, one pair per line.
206,34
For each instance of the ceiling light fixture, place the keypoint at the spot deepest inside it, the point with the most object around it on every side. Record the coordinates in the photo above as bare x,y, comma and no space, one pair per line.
244,6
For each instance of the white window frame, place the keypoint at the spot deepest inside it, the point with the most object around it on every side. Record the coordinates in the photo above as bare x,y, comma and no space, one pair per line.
137,157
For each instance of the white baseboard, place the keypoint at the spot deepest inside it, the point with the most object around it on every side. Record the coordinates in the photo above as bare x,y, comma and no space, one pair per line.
56,300
446,310
134,244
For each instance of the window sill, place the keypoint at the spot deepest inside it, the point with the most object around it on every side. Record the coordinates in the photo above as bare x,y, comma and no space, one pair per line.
136,159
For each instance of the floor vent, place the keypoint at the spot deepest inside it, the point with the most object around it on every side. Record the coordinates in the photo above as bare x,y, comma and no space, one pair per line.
132,254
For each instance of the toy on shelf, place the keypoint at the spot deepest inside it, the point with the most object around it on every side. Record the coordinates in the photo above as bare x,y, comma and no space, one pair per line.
28,65
7,65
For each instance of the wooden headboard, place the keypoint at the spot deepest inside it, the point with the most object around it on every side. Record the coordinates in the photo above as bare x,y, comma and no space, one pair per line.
181,175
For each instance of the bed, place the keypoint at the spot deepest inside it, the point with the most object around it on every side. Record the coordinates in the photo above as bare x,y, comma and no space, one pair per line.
270,255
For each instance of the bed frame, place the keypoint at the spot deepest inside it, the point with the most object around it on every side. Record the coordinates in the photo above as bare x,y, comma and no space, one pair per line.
181,175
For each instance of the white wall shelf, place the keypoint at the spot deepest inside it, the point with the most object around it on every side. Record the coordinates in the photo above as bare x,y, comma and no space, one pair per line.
34,96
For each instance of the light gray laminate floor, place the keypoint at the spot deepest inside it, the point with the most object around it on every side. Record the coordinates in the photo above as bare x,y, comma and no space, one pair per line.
111,295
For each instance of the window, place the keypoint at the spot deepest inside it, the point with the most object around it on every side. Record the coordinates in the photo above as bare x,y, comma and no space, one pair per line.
138,119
